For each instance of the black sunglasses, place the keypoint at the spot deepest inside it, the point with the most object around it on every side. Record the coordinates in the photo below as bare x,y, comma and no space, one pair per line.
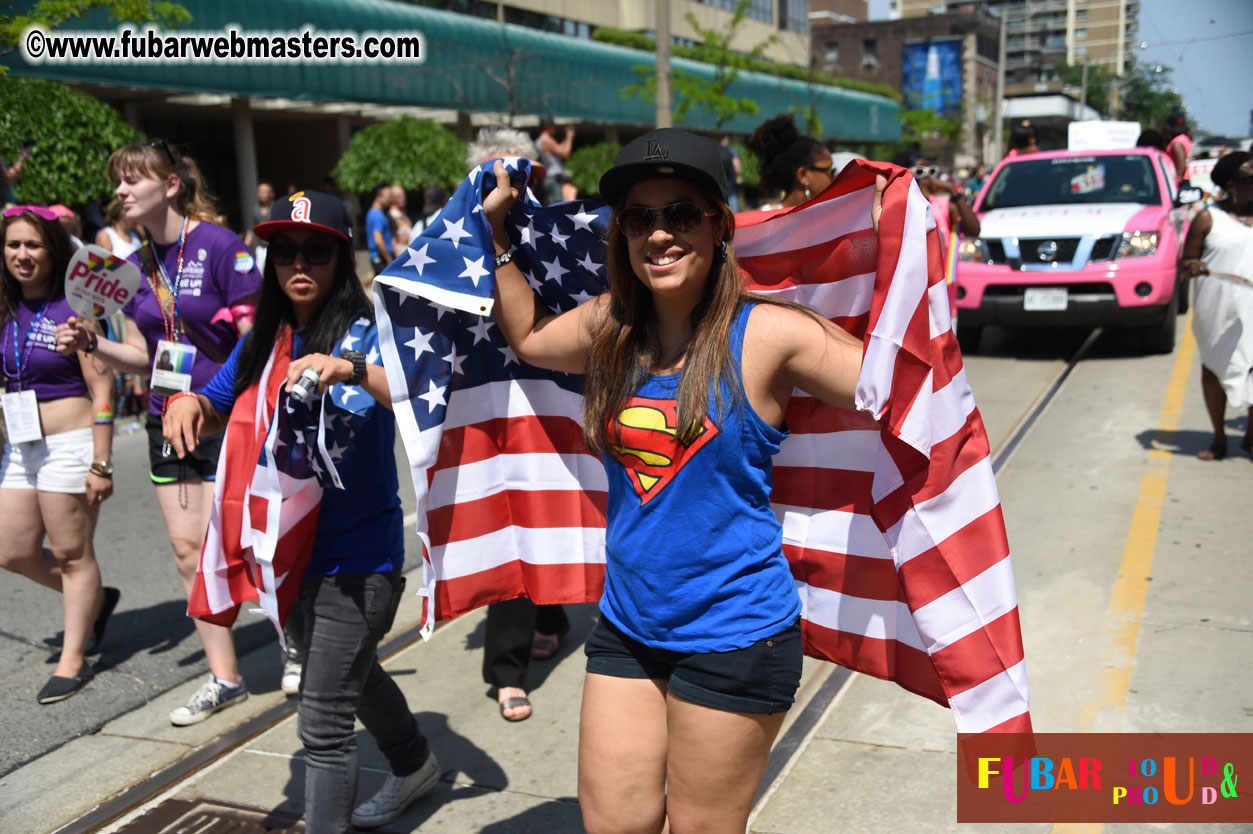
920,171
316,253
683,217
829,170
164,147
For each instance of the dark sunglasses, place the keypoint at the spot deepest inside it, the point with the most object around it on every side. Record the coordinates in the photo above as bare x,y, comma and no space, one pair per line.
829,170
316,253
683,217
164,147
920,171
45,213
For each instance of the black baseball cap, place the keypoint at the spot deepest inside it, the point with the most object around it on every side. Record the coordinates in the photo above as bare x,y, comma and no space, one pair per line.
306,210
665,152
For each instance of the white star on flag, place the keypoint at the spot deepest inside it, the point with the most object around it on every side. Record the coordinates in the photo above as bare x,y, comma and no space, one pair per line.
455,361
559,238
418,259
405,296
482,330
590,265
553,271
474,269
533,281
530,234
510,356
582,296
454,230
373,356
434,396
350,341
582,220
421,343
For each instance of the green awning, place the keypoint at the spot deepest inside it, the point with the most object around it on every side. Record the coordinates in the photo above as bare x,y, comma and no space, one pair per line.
468,66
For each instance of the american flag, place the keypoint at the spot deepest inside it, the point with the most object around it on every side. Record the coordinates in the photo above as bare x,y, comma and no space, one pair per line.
277,456
891,518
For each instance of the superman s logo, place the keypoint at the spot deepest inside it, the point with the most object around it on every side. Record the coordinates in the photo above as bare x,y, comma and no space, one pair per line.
648,446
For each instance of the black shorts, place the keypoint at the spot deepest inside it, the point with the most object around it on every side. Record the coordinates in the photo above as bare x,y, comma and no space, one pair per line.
201,464
761,679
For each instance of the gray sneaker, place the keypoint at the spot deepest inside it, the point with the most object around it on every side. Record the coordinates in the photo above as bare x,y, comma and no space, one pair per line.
397,794
212,696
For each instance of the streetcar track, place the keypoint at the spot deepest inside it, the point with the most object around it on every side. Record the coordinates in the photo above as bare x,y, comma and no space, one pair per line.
793,740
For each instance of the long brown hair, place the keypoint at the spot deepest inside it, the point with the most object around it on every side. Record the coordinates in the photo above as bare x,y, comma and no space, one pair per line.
60,250
159,159
626,347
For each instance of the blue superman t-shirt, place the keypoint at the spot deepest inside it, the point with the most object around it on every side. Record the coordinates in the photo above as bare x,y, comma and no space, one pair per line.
360,527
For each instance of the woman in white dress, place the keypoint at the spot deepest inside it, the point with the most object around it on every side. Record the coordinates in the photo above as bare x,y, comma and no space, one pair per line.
1219,247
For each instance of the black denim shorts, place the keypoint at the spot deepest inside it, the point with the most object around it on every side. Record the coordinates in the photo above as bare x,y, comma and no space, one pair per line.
761,678
201,463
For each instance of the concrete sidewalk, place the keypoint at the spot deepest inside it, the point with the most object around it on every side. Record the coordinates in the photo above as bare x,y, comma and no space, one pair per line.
880,759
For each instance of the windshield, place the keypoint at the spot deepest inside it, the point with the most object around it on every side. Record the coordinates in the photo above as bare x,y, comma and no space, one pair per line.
1113,178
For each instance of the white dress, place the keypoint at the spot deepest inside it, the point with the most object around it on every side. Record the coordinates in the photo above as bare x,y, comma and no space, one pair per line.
1222,316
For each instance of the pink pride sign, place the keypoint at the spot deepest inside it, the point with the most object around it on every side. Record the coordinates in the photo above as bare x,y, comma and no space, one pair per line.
98,283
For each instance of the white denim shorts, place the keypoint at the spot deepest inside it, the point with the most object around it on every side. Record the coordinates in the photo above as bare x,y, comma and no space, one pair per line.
57,463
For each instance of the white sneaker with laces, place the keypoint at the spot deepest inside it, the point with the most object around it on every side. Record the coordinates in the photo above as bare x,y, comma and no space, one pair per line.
212,696
292,668
397,794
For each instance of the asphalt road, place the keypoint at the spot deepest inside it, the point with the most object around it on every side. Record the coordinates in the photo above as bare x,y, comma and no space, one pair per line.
151,645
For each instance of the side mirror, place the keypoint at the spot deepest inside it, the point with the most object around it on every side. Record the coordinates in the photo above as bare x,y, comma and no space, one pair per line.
1189,195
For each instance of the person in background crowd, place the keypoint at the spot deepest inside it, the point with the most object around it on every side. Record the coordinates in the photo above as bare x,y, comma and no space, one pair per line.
312,308
732,170
1178,144
1219,246
54,478
402,226
329,186
378,230
260,214
977,180
1150,138
553,153
433,200
518,631
69,219
696,657
1023,139
119,235
199,290
9,174
796,165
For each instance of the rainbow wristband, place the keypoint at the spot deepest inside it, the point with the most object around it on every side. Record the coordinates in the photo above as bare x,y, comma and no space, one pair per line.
104,418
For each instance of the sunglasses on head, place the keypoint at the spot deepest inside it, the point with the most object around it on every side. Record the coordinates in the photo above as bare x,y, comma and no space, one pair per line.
45,213
164,147
683,217
316,253
920,171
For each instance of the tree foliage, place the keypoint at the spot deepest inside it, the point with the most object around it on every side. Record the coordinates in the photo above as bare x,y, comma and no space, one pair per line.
414,153
1146,96
750,166
52,13
702,53
588,163
74,135
920,125
1099,79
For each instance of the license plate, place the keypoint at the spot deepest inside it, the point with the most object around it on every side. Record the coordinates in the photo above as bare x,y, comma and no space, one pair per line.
1044,298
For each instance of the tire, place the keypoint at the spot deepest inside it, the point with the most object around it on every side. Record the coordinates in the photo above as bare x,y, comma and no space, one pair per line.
968,337
1160,337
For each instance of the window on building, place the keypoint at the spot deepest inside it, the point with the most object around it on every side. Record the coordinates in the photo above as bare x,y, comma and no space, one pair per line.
831,54
869,53
1081,52
794,15
1081,34
1081,14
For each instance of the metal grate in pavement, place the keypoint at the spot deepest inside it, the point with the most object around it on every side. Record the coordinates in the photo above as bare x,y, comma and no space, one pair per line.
204,816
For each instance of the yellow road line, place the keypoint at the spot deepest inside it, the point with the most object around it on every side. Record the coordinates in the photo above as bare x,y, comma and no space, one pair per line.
1126,604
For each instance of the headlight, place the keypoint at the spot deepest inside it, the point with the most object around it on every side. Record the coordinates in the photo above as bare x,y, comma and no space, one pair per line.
972,249
1136,244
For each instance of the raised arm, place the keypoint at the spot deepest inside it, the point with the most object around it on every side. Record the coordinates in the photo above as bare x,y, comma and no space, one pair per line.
129,357
537,336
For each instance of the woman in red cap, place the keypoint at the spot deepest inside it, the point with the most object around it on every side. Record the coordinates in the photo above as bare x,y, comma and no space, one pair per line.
314,315
697,654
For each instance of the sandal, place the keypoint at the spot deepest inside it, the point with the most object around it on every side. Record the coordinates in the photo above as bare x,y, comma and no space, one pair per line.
516,703
1215,451
545,646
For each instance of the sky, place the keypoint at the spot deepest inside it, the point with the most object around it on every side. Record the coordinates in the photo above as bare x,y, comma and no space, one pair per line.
1208,44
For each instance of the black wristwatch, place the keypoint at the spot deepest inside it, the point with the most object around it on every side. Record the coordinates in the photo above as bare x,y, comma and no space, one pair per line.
357,358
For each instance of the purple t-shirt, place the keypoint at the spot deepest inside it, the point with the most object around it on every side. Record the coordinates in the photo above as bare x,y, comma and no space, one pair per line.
49,374
218,271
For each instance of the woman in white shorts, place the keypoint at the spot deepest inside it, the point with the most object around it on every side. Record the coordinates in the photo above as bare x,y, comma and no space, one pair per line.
59,435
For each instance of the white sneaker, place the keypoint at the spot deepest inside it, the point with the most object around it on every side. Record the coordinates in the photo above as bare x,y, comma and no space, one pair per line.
292,668
212,696
397,794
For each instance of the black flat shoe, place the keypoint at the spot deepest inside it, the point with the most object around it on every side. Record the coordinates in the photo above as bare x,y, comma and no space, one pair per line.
58,688
111,597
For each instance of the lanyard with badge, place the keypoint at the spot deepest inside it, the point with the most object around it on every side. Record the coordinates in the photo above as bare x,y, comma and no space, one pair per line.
21,408
171,367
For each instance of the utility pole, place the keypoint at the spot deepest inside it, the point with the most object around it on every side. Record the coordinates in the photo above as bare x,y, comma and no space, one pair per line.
1083,92
998,126
662,10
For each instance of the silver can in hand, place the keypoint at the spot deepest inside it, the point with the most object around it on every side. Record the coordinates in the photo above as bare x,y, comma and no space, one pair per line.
304,386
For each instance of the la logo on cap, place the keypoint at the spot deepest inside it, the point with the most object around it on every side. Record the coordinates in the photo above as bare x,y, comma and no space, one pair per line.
656,150
300,207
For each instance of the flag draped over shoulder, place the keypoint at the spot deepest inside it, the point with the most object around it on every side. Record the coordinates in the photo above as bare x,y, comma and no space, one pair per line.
271,472
891,518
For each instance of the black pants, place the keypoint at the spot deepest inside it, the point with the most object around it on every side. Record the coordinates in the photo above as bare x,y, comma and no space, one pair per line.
510,628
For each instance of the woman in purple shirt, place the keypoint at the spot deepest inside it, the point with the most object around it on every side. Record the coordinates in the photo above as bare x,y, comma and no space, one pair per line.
59,419
197,298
